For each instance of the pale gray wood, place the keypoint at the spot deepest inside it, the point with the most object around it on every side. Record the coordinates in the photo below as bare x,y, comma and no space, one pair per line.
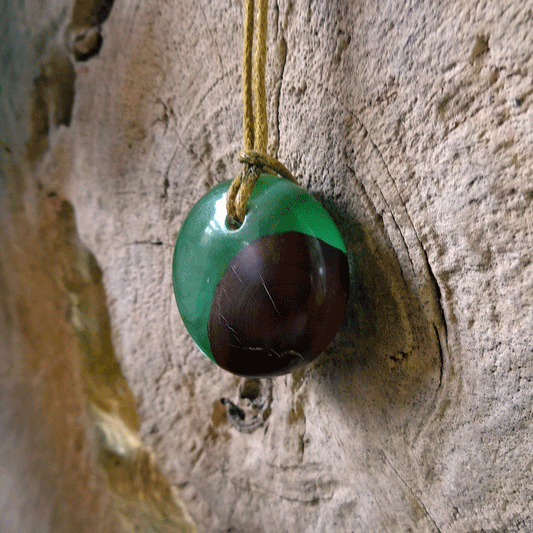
413,123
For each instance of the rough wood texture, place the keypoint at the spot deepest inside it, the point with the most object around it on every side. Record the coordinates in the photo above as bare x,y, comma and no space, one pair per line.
413,124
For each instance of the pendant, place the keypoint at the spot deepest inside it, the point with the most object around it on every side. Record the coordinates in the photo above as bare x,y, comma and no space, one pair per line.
264,297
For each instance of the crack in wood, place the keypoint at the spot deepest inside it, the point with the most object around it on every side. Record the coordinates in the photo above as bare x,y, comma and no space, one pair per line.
197,106
283,58
213,40
437,296
420,502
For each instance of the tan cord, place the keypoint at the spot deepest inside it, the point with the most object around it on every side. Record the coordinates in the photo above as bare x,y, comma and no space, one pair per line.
248,114
260,52
251,157
254,159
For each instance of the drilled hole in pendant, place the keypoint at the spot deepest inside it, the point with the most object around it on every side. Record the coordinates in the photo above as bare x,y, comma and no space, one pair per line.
233,224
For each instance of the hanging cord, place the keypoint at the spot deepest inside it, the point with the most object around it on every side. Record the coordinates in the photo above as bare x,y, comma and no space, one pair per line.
254,159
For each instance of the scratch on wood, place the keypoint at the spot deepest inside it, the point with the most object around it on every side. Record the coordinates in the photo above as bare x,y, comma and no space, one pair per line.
238,277
233,333
270,296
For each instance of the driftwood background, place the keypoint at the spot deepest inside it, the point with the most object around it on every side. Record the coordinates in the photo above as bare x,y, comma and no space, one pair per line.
412,122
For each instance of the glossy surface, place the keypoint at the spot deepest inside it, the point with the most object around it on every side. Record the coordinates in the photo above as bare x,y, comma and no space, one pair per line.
279,304
206,245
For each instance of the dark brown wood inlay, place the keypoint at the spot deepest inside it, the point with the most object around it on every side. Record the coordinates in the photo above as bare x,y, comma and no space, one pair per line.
279,304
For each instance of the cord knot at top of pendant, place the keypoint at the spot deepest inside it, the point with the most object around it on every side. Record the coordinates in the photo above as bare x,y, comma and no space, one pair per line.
253,165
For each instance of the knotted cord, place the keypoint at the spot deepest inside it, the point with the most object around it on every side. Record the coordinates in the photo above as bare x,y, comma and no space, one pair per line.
254,159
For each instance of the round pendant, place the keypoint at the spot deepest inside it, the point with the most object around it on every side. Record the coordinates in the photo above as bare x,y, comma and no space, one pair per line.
269,295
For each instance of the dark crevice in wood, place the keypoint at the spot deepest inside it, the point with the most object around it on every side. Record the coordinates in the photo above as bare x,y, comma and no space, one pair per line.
83,35
53,98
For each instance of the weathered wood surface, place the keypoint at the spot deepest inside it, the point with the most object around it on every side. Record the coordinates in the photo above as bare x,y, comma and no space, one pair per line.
412,122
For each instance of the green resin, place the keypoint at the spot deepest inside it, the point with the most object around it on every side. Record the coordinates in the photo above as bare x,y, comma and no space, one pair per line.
206,245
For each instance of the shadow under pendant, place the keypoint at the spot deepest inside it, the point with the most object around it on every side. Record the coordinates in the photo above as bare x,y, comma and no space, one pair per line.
268,296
